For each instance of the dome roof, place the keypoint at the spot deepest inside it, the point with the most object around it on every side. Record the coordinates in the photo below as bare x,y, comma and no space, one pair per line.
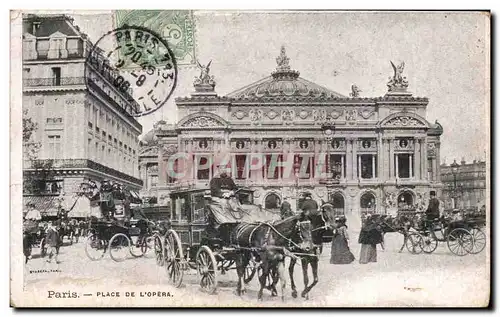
150,137
284,82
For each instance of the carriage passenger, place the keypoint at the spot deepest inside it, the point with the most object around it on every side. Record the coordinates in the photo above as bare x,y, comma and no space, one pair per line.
33,214
286,209
309,206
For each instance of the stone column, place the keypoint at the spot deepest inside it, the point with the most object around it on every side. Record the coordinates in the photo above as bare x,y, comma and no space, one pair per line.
397,166
354,158
349,159
410,161
373,167
392,173
438,161
342,174
425,175
358,174
418,163
380,157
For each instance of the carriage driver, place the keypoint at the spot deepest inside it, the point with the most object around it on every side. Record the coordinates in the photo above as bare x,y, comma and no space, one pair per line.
222,186
432,211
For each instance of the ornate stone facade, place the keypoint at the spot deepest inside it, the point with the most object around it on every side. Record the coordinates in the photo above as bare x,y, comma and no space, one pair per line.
379,150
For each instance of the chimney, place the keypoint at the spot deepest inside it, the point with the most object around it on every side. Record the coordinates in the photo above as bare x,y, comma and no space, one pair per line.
35,25
463,161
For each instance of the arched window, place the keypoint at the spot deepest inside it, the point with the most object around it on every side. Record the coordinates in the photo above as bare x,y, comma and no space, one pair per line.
338,203
368,202
405,200
272,201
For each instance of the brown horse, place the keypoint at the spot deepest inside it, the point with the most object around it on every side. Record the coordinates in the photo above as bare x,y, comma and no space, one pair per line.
269,244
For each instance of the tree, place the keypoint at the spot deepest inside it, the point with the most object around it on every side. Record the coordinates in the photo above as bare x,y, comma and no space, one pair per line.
29,146
35,181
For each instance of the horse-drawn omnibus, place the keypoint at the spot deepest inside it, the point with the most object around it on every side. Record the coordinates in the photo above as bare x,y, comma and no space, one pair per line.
213,239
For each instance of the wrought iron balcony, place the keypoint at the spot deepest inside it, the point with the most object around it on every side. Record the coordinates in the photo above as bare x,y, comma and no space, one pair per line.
55,54
46,82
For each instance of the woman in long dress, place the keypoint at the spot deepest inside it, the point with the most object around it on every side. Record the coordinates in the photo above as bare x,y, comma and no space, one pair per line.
340,244
369,237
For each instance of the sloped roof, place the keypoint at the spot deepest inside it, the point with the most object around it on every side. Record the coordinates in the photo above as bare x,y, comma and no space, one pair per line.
283,82
49,24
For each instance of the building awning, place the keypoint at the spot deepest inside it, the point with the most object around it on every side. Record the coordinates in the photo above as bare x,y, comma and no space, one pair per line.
47,205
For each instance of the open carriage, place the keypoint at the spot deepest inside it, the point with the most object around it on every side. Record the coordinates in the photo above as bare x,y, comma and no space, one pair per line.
199,237
123,230
463,235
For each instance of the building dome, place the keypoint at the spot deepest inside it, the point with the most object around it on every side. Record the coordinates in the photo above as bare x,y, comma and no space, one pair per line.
150,137
284,82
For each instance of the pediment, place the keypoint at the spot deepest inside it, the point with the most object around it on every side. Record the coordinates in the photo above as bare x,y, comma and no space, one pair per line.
202,120
404,120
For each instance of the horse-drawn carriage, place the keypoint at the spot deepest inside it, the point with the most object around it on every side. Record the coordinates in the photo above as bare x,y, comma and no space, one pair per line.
119,226
134,236
212,237
463,235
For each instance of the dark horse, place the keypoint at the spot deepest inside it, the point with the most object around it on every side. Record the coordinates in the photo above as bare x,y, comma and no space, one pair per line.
401,223
270,243
321,224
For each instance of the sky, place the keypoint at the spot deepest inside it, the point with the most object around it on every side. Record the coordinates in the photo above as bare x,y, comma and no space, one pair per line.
446,57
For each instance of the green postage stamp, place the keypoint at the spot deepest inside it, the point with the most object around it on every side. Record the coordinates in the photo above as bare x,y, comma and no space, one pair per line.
175,26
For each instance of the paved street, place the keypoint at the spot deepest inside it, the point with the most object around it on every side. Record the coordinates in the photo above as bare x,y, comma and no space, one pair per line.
397,279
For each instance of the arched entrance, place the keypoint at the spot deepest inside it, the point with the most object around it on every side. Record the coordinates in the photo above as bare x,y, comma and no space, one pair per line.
405,200
338,202
272,201
368,203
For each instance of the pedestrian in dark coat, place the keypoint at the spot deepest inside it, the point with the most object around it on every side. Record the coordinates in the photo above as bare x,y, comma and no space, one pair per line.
369,236
53,242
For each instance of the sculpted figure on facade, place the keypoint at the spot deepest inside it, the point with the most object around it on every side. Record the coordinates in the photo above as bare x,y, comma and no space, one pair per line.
355,91
319,116
204,78
287,116
202,122
283,60
255,116
351,115
404,121
398,81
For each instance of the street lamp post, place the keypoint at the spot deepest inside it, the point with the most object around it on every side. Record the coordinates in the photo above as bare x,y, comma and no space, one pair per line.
454,171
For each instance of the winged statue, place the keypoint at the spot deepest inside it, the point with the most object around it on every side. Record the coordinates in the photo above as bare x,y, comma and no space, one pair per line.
398,81
204,77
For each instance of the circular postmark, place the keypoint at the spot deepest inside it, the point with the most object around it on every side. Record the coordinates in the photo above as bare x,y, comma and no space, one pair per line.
133,67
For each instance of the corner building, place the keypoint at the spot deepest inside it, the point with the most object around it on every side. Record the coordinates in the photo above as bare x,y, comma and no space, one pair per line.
85,125
380,154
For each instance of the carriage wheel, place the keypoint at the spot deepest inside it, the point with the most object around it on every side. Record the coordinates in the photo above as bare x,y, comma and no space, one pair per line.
159,250
479,239
95,248
136,249
429,244
460,241
119,246
147,246
173,258
207,266
414,243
